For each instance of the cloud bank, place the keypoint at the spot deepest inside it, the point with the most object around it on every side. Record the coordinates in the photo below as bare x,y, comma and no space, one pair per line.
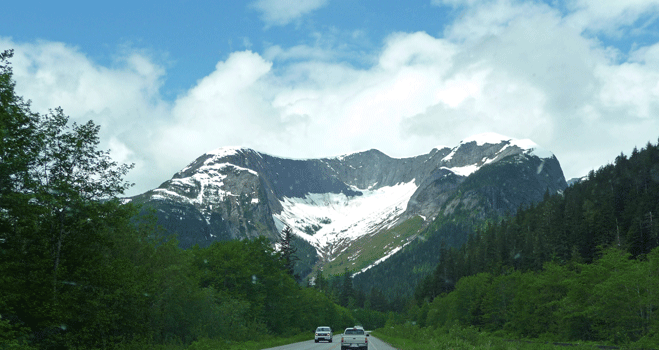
525,70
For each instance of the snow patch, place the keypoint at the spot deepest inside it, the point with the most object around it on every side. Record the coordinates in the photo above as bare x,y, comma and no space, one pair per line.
450,155
488,137
225,151
340,218
464,170
163,193
494,138
532,148
387,256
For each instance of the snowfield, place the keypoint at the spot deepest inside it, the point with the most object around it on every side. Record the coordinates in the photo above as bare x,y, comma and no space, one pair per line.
327,220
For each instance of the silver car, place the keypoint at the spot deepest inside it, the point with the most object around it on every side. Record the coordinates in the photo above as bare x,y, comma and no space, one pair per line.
323,333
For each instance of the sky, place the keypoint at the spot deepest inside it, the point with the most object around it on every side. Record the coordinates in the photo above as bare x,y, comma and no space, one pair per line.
169,80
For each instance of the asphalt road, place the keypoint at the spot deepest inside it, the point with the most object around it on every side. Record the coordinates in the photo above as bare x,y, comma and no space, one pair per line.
373,344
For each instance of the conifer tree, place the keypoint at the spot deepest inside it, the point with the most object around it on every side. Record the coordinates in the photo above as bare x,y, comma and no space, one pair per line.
287,251
346,291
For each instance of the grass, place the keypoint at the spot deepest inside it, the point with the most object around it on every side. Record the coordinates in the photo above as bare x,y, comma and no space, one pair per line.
408,337
270,342
372,247
264,342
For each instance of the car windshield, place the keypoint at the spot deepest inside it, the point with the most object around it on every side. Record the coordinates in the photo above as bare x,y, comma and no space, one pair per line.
354,331
322,329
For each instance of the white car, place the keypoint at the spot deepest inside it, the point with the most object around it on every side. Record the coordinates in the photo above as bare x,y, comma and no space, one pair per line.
354,338
323,333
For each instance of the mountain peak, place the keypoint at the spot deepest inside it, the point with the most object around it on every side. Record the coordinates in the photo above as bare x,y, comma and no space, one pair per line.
487,137
228,151
492,138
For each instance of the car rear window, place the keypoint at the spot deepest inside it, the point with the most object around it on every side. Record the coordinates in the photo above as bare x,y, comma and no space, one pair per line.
354,331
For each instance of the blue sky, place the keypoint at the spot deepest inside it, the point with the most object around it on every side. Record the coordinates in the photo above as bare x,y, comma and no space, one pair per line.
189,37
170,80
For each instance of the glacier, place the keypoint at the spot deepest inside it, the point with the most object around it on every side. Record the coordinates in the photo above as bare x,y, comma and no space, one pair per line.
329,220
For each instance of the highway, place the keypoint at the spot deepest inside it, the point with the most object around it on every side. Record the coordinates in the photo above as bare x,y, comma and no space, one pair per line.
373,344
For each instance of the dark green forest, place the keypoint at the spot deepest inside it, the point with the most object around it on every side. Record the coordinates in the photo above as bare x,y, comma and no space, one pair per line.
580,265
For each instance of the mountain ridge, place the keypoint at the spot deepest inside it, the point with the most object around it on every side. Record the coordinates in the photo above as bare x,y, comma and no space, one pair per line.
237,193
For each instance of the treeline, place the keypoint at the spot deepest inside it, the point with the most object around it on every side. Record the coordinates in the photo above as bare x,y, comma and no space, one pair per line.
613,300
606,223
79,269
371,310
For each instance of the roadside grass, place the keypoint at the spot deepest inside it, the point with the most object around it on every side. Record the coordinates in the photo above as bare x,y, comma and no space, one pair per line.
264,343
408,337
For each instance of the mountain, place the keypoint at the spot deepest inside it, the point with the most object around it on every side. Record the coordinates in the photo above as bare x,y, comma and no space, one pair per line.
354,210
576,180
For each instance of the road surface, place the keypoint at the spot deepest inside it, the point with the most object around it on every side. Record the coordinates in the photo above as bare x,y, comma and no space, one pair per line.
373,344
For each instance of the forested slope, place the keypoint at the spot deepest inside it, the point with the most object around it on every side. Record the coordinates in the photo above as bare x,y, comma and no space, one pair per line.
494,191
582,265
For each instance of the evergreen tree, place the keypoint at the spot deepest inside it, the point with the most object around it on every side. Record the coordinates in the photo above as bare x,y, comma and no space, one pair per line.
346,291
377,300
320,282
287,251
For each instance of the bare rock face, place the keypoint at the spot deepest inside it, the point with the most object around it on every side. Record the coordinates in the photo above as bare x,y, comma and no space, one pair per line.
239,193
210,201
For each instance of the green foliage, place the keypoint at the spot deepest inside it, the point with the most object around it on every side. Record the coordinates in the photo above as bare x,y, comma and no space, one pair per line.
412,337
81,269
307,257
371,247
265,342
287,251
370,319
577,266
612,300
397,278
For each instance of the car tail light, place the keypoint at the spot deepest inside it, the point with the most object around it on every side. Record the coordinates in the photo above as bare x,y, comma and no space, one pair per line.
342,339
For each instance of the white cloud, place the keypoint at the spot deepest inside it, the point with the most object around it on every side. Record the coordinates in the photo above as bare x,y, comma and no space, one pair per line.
283,12
632,88
584,99
124,100
519,69
63,76
647,55
227,107
610,16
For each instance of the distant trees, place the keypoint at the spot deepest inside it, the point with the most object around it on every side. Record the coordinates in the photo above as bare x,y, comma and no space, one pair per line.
616,206
346,291
614,299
